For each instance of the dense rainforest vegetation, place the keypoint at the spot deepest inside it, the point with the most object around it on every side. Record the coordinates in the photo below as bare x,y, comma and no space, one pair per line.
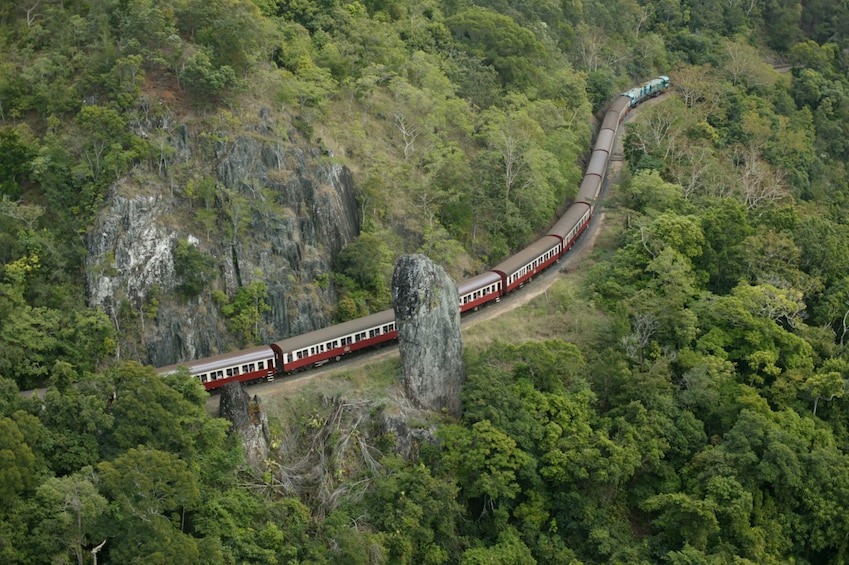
695,416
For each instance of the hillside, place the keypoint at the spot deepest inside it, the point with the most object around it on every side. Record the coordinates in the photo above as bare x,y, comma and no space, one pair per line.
180,178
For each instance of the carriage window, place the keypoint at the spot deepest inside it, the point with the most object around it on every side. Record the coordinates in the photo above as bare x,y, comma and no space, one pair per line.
244,368
203,378
251,367
229,372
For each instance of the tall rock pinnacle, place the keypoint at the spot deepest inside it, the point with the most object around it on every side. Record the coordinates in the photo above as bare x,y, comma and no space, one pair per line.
428,319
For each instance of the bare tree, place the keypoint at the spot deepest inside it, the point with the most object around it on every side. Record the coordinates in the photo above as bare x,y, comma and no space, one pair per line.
693,84
28,214
659,130
845,325
644,326
408,131
590,47
31,15
689,171
760,183
745,67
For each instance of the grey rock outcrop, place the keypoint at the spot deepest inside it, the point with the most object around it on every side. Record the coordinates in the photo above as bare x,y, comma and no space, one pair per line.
408,427
425,301
249,422
293,210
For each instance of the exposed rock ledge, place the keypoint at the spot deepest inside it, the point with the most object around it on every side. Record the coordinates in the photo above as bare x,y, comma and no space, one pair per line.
301,211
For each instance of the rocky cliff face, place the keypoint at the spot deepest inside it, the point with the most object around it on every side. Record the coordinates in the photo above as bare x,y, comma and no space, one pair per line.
425,301
281,213
249,422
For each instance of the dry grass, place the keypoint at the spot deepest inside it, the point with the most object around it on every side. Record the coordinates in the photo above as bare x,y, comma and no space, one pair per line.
563,311
377,379
560,312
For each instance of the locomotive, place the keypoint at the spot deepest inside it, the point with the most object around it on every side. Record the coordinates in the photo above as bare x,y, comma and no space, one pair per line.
332,343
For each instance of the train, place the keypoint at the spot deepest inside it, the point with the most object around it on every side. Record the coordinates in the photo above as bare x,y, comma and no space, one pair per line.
312,349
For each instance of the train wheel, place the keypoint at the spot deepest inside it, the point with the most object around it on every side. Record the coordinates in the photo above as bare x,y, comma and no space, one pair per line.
338,357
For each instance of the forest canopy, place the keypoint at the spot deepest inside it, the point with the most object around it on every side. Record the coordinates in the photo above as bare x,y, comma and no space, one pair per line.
698,413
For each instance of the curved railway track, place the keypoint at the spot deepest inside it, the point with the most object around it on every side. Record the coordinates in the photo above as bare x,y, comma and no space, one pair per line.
286,385
536,277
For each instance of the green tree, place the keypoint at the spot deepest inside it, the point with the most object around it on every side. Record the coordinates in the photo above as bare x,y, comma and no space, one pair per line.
166,414
827,385
16,158
367,262
648,192
419,514
19,464
70,507
246,310
105,140
781,19
510,550
152,493
205,79
253,529
725,227
195,268
524,179
486,460
684,519
499,41
74,421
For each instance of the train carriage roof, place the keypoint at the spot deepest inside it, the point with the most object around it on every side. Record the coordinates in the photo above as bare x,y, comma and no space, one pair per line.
335,331
611,120
620,105
241,357
480,281
568,221
598,163
605,140
528,254
615,112
589,189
